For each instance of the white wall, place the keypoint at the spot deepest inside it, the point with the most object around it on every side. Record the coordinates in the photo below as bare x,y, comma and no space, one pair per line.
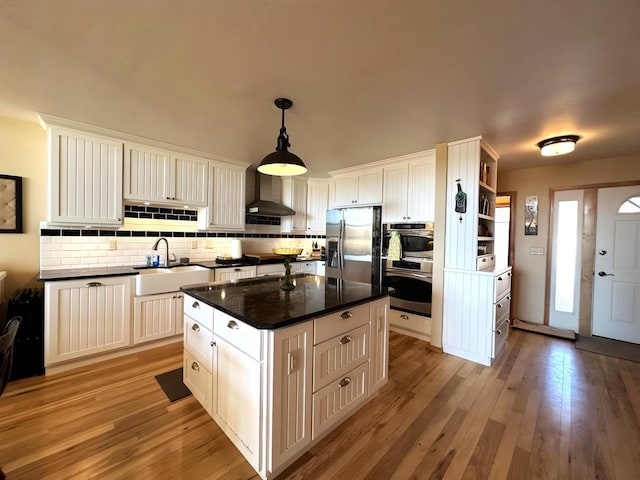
529,281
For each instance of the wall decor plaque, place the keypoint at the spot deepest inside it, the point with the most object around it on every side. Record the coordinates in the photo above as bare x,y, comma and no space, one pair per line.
10,204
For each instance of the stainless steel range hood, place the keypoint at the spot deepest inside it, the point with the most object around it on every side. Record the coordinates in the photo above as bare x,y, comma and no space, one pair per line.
268,190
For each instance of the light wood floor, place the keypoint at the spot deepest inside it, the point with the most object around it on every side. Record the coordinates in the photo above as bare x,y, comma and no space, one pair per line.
546,410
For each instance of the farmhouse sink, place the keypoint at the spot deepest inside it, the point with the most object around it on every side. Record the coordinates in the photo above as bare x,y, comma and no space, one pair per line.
163,280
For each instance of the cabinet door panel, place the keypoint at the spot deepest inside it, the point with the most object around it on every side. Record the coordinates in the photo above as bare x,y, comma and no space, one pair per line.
86,179
379,344
237,397
294,195
370,188
317,205
153,317
147,174
190,179
226,209
421,187
198,379
394,205
345,192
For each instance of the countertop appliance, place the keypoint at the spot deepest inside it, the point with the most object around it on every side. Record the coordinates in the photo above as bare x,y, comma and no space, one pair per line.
354,240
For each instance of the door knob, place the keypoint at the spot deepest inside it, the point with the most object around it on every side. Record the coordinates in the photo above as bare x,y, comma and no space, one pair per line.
605,274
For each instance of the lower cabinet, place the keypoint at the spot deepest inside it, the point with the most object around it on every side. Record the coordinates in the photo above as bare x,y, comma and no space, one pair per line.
261,388
86,317
234,273
157,316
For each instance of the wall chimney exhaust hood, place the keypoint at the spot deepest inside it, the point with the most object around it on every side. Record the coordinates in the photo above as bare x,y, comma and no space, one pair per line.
268,194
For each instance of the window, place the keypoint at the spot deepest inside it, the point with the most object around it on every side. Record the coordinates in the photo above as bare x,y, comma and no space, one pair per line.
632,205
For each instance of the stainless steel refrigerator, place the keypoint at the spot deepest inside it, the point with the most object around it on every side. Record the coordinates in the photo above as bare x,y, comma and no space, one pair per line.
354,238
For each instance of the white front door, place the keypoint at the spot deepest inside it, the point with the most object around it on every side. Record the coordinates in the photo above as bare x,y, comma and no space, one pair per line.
616,284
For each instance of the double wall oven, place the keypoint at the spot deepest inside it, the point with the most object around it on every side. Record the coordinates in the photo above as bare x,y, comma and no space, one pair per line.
411,275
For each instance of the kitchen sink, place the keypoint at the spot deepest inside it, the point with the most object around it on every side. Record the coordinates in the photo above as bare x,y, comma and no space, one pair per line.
162,280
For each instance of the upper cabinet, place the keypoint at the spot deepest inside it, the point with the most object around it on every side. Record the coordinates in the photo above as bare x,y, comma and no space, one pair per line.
159,176
85,178
294,195
317,205
409,189
358,188
226,197
470,233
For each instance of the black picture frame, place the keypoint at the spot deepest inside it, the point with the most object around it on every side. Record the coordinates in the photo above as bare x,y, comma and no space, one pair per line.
10,204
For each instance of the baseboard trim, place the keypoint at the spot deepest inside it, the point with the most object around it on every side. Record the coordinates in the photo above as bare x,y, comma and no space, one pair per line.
544,329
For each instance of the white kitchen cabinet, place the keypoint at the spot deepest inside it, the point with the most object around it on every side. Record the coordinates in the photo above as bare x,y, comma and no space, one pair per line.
164,177
226,207
379,362
317,206
303,267
292,353
85,178
198,378
358,189
157,316
86,317
321,266
409,189
294,196
234,273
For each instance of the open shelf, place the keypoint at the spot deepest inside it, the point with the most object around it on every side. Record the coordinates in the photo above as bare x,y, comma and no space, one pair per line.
487,187
486,217
485,239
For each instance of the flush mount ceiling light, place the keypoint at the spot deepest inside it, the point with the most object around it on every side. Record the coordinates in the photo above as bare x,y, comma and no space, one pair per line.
558,145
282,162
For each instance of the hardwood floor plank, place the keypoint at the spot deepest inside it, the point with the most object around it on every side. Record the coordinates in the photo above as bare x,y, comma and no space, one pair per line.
545,410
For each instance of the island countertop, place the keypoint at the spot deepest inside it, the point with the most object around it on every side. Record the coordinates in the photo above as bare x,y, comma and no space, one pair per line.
261,303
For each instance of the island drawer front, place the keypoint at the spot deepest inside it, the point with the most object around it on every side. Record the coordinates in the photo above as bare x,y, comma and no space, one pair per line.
341,321
198,379
198,339
199,311
502,309
242,336
500,336
503,283
336,356
332,403
410,321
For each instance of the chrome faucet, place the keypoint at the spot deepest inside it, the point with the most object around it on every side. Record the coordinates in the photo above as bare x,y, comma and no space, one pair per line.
155,247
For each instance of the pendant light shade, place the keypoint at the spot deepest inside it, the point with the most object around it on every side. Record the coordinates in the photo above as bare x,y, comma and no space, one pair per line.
282,162
558,145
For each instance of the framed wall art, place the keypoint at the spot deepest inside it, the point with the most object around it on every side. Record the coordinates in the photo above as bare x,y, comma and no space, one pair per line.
531,215
10,204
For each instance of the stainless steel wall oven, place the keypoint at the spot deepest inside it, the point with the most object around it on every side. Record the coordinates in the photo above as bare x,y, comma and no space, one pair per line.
416,239
412,283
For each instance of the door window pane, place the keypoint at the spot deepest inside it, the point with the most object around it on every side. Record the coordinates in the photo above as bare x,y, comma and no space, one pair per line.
566,252
630,206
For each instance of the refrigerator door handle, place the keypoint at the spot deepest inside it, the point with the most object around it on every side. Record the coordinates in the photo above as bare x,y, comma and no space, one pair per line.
341,247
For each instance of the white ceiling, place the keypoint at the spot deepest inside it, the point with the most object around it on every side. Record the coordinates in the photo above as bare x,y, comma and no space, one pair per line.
369,79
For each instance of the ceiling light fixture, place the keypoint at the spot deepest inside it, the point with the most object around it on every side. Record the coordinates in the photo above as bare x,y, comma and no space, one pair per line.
282,162
558,145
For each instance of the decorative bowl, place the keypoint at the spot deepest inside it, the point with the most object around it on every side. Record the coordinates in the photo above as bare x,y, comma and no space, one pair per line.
287,251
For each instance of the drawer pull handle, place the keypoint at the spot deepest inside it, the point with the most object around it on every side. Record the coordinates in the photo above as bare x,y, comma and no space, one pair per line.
508,297
233,325
195,305
344,382
508,321
195,327
237,269
499,279
93,284
499,332
346,339
346,315
195,366
499,305
404,317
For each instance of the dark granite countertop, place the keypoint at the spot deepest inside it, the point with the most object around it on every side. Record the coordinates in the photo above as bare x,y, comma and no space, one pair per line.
260,303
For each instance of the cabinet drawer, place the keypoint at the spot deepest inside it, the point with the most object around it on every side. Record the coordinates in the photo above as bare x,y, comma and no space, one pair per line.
502,309
336,356
485,262
409,321
339,322
199,311
332,403
500,336
198,339
239,334
198,379
503,283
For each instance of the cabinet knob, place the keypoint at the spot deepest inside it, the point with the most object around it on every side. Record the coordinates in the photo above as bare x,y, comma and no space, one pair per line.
346,315
195,327
168,198
499,305
344,382
499,332
213,344
195,366
233,325
195,305
346,339
404,317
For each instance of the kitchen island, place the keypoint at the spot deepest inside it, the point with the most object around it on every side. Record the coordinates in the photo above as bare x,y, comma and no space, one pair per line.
278,370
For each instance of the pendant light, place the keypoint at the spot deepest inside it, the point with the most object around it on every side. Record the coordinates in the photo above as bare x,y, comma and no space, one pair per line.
558,145
282,162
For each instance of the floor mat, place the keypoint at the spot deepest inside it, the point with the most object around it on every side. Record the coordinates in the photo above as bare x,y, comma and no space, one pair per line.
172,386
611,348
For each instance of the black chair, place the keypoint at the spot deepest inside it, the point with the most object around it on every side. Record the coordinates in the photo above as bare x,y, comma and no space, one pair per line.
6,356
